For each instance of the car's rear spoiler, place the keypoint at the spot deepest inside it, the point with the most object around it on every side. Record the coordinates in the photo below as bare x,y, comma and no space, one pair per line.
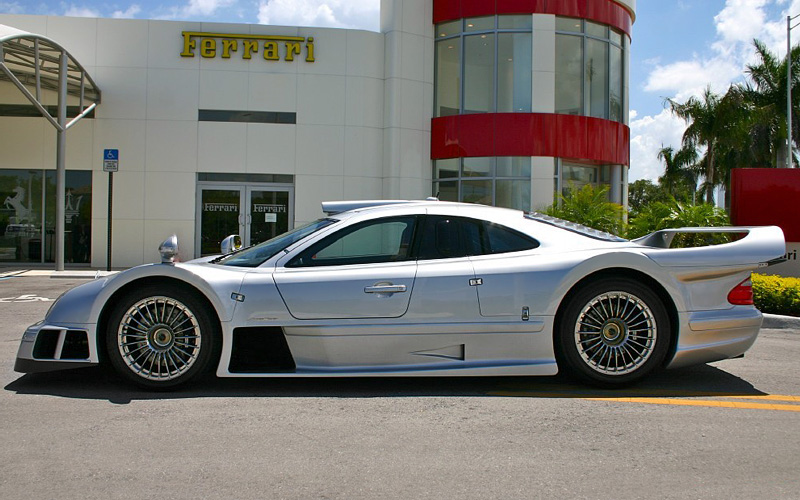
760,246
337,207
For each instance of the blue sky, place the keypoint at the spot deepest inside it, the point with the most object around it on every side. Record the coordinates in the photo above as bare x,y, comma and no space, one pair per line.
679,46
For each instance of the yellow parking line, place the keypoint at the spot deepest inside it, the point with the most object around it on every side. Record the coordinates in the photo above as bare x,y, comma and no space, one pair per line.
770,397
696,402
721,403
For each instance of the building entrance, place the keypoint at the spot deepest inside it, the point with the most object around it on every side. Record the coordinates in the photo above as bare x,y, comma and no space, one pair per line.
256,212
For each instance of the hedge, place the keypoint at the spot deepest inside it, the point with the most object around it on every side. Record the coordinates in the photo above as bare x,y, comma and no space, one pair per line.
776,294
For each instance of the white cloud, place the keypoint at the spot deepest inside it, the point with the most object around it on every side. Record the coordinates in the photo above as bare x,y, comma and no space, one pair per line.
648,135
354,14
205,7
130,13
11,8
80,11
737,24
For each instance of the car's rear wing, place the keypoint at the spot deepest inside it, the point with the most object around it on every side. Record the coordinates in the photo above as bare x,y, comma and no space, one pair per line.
337,207
759,246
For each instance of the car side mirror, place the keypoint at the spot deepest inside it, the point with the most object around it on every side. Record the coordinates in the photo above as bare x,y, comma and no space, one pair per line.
231,244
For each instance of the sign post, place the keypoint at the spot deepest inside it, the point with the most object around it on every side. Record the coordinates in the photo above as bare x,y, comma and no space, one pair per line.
110,165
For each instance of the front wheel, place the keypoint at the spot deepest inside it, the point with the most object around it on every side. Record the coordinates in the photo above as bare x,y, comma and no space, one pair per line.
160,337
614,332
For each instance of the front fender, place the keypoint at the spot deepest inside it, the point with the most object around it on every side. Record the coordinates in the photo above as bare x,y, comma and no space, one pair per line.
85,303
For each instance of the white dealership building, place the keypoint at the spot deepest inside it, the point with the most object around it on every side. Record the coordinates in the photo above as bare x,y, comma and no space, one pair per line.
239,128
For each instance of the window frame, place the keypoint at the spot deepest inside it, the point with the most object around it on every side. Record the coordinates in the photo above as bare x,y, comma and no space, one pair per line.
296,261
461,35
610,42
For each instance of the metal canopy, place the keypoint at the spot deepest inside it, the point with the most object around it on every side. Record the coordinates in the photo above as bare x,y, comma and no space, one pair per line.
34,63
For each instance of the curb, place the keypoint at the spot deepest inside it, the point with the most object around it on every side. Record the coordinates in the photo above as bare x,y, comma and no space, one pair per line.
775,321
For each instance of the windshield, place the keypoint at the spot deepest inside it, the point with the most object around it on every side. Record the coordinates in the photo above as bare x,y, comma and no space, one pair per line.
256,255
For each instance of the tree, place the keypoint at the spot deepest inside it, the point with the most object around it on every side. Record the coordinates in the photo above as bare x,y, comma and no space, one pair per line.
643,192
766,98
680,174
715,123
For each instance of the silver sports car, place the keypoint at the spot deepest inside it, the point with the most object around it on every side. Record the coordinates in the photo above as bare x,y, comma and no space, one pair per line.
416,288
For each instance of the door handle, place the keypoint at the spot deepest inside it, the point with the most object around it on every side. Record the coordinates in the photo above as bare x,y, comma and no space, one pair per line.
385,289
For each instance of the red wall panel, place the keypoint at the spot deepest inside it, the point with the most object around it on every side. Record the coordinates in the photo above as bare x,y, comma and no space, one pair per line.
766,197
603,11
530,134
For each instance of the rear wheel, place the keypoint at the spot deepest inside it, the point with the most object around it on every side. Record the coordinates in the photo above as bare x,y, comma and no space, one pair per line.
614,332
160,337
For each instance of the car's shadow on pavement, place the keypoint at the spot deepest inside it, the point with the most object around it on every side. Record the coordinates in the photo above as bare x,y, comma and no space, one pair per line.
102,384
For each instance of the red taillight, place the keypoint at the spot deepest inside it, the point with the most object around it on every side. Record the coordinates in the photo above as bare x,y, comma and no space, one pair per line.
742,295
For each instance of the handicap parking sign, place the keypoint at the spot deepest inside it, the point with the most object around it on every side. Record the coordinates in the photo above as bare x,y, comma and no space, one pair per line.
110,160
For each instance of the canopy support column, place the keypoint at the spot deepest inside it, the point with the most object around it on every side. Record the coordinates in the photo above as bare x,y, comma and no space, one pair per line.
61,154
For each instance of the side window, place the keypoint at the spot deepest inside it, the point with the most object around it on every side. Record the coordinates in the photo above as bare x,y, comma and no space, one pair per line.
382,240
485,238
441,238
503,240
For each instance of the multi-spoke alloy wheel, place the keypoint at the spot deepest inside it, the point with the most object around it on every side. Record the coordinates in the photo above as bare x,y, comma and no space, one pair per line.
160,338
613,332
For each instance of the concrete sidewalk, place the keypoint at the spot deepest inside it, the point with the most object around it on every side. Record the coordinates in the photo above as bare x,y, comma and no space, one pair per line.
89,274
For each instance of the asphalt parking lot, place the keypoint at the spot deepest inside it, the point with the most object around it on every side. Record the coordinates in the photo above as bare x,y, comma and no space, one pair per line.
725,430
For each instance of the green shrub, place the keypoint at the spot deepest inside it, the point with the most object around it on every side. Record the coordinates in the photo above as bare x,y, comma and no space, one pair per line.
589,206
776,294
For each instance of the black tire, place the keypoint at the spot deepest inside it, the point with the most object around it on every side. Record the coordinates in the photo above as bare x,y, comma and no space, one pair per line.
614,331
161,337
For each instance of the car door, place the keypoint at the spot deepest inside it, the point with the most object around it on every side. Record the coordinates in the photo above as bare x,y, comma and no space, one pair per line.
501,259
365,270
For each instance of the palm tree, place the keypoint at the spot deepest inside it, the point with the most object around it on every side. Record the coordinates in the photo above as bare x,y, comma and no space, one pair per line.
715,123
767,98
679,173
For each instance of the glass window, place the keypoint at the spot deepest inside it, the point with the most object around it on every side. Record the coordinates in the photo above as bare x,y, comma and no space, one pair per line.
615,36
479,24
445,169
28,216
383,240
441,239
615,91
479,70
513,166
448,29
479,192
477,167
589,69
596,75
513,194
448,77
514,90
502,181
597,30
569,77
446,191
257,255
569,24
486,238
577,176
524,22
479,73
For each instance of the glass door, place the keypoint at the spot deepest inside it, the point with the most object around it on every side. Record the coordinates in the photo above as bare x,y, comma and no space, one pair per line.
268,216
219,215
254,212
